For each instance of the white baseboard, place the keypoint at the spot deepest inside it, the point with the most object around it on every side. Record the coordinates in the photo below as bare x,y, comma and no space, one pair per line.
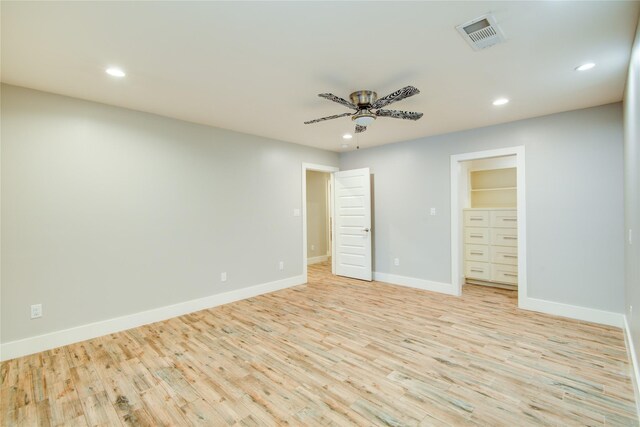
412,282
317,259
572,311
634,363
549,307
23,347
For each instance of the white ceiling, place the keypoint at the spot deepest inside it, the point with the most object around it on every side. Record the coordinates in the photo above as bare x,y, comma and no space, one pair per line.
257,67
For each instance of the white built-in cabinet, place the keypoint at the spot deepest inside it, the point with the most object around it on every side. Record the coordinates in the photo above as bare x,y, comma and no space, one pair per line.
493,188
491,245
491,228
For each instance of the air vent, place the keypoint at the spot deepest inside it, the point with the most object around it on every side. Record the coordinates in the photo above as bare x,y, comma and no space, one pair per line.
482,32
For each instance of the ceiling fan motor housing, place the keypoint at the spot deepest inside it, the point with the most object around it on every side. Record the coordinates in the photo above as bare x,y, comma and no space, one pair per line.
363,98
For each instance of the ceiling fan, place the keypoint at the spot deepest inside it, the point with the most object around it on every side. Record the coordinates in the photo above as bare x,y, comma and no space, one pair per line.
365,102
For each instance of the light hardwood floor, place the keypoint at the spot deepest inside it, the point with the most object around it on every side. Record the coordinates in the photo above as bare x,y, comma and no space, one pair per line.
334,352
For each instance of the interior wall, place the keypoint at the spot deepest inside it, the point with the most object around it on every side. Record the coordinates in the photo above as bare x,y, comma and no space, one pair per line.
632,192
108,211
574,203
317,245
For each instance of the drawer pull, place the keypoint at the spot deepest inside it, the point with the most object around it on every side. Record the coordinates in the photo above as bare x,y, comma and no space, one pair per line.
476,235
509,219
477,271
476,253
509,238
476,218
510,256
510,274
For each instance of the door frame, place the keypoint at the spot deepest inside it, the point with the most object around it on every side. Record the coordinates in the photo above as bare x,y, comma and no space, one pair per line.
456,219
318,168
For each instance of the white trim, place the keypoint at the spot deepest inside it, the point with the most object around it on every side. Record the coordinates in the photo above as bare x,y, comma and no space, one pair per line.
23,347
456,232
522,225
573,312
318,168
412,282
317,259
333,222
631,351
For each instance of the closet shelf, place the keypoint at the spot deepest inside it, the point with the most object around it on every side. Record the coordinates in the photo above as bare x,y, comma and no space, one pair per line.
493,189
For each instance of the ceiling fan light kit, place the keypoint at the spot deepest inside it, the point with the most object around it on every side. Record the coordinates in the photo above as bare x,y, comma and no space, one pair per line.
363,118
365,102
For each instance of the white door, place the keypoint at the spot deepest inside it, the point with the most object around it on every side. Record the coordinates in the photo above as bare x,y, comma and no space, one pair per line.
352,196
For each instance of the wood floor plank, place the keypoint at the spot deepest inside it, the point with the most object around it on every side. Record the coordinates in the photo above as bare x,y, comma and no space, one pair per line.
334,352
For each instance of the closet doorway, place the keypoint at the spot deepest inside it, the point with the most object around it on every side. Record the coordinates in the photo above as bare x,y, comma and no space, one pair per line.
319,221
317,216
488,220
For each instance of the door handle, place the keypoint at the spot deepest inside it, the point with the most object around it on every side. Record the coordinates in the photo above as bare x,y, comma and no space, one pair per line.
366,230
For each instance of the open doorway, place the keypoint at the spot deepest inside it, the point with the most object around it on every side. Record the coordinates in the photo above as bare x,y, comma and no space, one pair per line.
349,223
317,217
319,220
488,224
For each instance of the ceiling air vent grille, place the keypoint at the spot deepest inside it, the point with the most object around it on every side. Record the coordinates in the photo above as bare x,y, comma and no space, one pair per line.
482,32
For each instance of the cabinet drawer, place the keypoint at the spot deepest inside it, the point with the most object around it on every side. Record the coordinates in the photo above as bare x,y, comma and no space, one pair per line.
476,235
476,218
504,236
477,270
506,219
504,255
504,273
476,253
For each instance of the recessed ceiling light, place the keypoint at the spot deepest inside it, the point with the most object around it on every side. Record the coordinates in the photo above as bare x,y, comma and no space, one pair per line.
500,101
115,72
585,67
347,136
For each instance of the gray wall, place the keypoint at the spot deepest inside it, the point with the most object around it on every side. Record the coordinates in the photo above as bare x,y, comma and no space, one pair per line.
632,191
108,211
574,196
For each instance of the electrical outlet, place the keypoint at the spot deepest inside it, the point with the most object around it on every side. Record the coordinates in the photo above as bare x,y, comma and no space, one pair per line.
223,277
396,261
313,247
433,211
296,212
36,311
281,265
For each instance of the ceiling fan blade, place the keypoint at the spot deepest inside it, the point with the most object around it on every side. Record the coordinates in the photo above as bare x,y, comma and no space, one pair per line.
337,116
403,93
360,128
397,114
332,97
